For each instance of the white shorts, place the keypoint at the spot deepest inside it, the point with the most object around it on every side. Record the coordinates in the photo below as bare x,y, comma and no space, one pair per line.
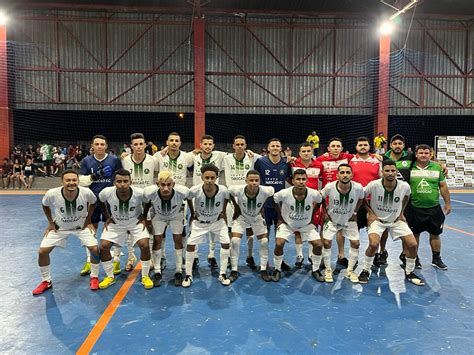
258,226
118,234
396,230
59,238
159,226
217,230
308,232
350,231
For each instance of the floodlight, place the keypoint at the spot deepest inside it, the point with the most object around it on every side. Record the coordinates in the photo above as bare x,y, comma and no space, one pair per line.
386,28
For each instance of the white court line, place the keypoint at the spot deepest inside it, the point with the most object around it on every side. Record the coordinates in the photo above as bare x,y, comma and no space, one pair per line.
466,203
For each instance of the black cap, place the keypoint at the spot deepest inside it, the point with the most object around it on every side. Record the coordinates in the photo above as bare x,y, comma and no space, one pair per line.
397,137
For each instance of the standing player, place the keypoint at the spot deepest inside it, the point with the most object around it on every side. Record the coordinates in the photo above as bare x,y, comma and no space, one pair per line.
313,140
379,143
295,206
424,213
96,172
248,202
125,202
73,207
389,198
166,198
344,198
208,217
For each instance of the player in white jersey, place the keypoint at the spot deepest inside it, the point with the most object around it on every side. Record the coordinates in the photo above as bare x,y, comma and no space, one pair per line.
125,204
73,208
248,202
142,168
341,201
208,217
166,199
389,198
295,206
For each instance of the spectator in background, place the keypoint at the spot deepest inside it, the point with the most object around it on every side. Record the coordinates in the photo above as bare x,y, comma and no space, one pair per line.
47,156
17,174
18,153
149,148
263,152
313,139
58,163
30,152
288,152
72,163
379,143
28,173
6,173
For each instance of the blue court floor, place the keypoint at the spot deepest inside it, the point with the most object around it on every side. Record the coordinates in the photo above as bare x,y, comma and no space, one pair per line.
297,315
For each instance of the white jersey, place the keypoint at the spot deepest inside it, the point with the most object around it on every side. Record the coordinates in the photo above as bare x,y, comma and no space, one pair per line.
178,166
251,207
166,209
387,205
236,170
297,214
208,209
143,173
341,207
69,215
216,159
123,212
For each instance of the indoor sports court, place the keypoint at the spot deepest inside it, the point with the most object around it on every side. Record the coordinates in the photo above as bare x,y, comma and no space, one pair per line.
370,69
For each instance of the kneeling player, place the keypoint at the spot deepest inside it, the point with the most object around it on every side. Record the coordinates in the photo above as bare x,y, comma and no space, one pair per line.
125,203
295,206
208,216
389,198
248,201
73,207
342,199
166,199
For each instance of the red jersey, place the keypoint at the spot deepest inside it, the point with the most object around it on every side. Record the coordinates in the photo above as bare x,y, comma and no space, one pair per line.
365,170
330,165
312,171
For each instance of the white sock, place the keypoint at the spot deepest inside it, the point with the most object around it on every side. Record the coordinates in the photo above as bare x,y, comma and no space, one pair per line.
224,260
263,254
116,253
178,254
299,250
45,273
316,261
189,262
235,252
277,260
108,268
156,255
95,269
410,265
327,257
353,256
250,246
88,255
146,267
131,252
212,248
368,261
163,248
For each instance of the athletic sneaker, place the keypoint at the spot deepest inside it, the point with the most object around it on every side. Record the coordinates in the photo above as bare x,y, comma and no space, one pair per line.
188,280
178,279
351,275
251,263
86,269
299,262
417,263
342,262
328,275
94,283
163,263
106,282
43,286
234,275
224,280
318,275
376,262
117,269
195,264
276,276
157,279
414,279
212,263
383,258
285,267
264,275
147,283
437,262
364,277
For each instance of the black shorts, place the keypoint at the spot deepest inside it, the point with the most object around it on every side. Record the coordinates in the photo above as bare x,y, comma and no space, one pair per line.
429,220
361,218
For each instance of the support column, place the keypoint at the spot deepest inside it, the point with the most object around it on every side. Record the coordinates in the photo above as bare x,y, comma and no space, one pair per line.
381,124
199,81
6,122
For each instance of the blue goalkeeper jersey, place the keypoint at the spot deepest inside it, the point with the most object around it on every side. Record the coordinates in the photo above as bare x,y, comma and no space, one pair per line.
273,175
90,165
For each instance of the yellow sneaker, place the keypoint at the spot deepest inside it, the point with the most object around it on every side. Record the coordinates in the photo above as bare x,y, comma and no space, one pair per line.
106,282
117,269
146,282
86,269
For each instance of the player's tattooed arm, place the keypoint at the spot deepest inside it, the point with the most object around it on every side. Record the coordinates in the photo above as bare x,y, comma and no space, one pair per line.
51,225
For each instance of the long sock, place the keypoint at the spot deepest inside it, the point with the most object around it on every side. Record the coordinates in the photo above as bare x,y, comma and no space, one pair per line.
410,266
163,249
88,255
353,256
299,250
108,268
95,269
277,260
224,260
45,273
212,248
189,262
263,253
235,252
327,258
250,246
145,267
368,261
178,254
130,250
116,253
316,260
156,255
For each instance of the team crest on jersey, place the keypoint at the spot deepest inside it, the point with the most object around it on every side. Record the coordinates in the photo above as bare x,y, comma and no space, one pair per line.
351,200
247,166
282,172
404,163
307,208
80,207
180,166
396,199
259,204
218,204
146,171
